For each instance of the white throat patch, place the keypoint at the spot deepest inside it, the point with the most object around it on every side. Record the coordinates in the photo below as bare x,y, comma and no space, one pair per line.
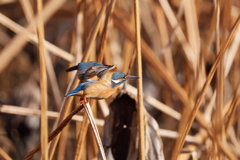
115,81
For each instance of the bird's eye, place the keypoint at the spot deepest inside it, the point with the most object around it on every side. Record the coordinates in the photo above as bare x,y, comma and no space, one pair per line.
125,77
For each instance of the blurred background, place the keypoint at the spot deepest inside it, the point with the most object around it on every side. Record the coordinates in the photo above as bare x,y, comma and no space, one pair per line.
180,43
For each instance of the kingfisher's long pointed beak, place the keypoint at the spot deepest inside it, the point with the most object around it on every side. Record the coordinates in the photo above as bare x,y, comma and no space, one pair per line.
129,77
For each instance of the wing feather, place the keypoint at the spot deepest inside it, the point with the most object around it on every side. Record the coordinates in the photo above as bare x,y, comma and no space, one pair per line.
100,71
90,70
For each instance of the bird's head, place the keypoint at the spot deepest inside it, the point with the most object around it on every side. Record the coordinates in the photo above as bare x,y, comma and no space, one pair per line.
119,78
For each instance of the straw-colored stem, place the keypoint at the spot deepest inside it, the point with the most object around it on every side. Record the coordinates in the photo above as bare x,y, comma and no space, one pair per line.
95,130
27,9
17,110
74,83
81,137
17,43
164,38
29,14
62,114
181,139
27,35
232,109
139,82
104,34
189,54
55,133
161,70
4,155
43,85
94,31
220,83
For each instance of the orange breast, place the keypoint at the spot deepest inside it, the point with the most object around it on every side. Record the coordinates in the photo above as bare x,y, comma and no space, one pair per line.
101,89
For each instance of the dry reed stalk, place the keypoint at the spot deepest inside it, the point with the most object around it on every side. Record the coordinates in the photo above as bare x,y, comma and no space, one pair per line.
162,107
141,118
128,51
99,122
55,133
93,147
189,54
102,45
4,155
81,137
9,109
231,53
155,103
210,106
159,68
26,35
27,9
232,109
65,108
76,47
17,43
104,108
95,130
76,50
173,134
29,14
95,30
166,76
63,138
218,126
192,29
148,23
164,37
81,128
180,140
93,144
73,84
63,143
200,137
78,36
43,85
53,81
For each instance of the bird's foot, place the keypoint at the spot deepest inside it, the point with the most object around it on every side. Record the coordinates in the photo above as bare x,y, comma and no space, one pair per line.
81,101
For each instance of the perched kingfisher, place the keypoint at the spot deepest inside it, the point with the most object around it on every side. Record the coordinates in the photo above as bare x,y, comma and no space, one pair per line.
100,81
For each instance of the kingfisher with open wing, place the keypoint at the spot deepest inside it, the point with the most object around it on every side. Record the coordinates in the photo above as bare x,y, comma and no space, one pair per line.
100,81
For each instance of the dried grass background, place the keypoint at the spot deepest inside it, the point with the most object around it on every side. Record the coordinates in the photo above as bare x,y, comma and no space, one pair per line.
191,83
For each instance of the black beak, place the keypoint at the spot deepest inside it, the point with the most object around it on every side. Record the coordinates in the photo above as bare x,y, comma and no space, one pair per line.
129,77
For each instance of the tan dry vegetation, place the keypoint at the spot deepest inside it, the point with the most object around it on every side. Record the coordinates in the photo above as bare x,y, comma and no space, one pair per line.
190,77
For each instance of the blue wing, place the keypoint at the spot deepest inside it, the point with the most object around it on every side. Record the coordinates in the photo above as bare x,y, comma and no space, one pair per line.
79,88
82,68
87,70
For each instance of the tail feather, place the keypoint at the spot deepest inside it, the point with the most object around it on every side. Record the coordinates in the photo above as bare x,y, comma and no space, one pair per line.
72,68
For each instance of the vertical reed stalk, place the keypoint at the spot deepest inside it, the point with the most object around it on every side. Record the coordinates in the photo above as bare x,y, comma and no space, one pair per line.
220,85
94,128
182,137
81,137
139,81
104,33
43,85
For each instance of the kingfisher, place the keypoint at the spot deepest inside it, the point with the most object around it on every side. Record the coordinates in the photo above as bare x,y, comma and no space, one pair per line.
100,81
